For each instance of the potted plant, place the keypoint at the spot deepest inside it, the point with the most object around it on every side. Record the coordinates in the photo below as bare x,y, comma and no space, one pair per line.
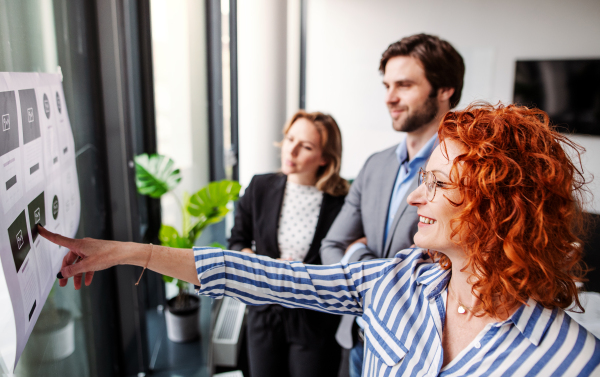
156,176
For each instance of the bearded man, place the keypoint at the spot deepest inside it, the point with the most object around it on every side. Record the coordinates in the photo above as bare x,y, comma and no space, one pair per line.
423,79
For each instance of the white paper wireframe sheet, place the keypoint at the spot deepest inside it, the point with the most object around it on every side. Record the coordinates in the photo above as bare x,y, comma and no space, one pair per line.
39,185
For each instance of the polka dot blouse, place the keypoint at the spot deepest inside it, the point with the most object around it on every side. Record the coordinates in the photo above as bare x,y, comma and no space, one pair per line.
298,220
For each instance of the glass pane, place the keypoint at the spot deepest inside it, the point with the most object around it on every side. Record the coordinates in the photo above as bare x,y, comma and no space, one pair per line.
180,95
38,36
28,36
181,105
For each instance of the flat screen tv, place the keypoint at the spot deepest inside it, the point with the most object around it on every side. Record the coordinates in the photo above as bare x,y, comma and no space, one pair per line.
568,90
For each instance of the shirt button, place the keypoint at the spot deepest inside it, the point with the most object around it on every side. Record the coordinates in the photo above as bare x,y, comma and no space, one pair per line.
477,345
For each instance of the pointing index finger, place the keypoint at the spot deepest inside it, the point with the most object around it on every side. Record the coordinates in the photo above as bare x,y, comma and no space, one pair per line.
69,243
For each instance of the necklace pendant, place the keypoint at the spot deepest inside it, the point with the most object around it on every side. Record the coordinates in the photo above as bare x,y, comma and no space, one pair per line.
461,309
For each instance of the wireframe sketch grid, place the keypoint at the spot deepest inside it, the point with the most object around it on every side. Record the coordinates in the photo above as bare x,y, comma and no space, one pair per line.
19,240
9,136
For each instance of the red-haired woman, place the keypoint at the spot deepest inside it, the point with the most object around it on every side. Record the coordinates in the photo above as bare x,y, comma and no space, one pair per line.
483,294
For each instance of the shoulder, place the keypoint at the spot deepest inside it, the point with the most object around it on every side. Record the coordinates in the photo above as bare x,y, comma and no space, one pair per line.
269,177
418,261
416,265
405,284
561,321
378,160
267,180
264,185
334,200
562,331
551,334
385,154
412,253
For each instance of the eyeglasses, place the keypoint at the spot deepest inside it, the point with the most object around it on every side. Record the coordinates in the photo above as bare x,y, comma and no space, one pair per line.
431,183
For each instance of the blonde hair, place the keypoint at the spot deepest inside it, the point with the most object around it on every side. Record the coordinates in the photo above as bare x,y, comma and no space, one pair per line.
328,175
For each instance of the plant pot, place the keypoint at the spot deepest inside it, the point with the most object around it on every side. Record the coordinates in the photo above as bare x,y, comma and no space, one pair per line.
183,323
53,337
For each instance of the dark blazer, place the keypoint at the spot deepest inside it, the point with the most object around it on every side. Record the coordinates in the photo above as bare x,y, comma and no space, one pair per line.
256,221
257,218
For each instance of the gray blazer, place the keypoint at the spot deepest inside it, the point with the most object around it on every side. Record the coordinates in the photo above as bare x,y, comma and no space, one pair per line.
365,210
364,214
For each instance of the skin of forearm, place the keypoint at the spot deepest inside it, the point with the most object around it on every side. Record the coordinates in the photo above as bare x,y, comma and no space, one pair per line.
177,263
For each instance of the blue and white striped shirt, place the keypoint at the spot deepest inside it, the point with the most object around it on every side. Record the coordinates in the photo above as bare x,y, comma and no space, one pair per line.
403,301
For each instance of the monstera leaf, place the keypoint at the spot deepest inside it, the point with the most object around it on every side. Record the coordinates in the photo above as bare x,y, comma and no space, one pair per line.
211,201
169,236
155,175
209,205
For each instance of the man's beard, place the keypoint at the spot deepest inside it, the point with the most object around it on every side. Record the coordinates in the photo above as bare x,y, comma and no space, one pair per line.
421,116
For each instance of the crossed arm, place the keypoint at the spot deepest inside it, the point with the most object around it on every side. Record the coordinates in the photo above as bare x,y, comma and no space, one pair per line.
348,229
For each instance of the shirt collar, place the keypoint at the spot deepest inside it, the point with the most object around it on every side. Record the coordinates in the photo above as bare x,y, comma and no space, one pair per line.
532,319
402,152
424,153
432,277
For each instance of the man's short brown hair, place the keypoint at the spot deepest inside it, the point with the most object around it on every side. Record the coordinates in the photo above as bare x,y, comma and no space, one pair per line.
444,67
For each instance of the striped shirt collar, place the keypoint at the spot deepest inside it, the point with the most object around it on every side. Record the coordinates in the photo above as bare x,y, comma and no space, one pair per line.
531,318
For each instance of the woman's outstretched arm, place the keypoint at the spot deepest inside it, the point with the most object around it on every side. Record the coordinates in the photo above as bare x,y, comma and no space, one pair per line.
253,279
258,280
97,255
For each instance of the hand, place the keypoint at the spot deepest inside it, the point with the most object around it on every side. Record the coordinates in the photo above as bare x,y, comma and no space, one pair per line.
247,250
362,240
95,255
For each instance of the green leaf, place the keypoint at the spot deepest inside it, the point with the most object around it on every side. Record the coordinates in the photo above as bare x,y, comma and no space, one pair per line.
211,201
217,244
182,285
197,228
209,204
167,279
169,236
155,175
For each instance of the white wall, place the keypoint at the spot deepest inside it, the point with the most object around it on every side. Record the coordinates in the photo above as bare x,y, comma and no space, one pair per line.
181,95
347,37
262,74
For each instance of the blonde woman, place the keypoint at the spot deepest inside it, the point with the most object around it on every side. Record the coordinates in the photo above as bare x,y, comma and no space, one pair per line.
285,216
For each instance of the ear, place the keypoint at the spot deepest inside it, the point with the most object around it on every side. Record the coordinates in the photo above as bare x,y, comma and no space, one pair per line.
444,94
323,162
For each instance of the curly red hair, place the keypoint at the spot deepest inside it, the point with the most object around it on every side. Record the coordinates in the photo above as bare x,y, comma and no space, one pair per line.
521,221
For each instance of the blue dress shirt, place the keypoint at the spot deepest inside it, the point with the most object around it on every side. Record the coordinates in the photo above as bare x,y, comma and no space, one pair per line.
406,173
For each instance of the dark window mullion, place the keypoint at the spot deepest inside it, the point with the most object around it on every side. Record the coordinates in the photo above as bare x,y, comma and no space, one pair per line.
303,15
234,85
215,90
